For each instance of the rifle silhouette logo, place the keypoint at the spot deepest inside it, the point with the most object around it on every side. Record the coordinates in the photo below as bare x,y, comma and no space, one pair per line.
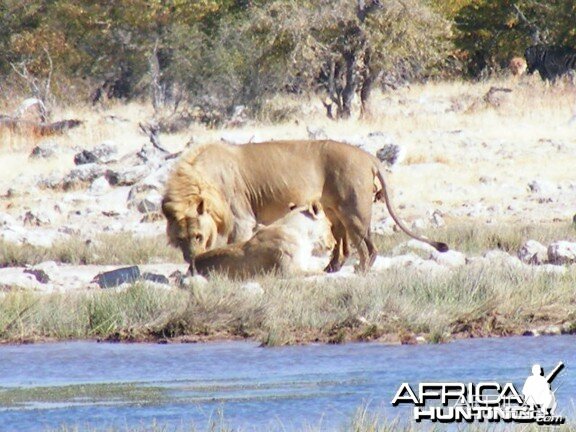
537,390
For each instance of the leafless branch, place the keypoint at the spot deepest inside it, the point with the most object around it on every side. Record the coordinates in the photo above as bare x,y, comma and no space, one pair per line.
157,88
534,30
152,132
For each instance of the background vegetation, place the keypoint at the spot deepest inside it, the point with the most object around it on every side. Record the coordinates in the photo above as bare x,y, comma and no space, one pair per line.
218,54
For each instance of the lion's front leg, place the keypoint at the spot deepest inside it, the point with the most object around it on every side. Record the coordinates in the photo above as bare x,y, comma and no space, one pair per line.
341,250
243,229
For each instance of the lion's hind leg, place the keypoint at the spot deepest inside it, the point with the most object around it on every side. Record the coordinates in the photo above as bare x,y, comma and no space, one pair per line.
372,251
358,232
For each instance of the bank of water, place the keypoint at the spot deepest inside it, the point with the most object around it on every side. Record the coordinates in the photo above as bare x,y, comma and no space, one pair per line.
99,385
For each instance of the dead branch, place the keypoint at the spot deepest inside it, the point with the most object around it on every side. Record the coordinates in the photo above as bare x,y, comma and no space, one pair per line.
23,127
152,130
535,32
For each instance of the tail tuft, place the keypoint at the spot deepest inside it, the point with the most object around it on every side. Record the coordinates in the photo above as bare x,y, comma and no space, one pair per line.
440,247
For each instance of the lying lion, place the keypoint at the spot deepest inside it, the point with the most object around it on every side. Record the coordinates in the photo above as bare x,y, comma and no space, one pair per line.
285,247
218,194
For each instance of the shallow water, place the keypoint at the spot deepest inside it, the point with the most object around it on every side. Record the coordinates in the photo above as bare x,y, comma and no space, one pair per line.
99,386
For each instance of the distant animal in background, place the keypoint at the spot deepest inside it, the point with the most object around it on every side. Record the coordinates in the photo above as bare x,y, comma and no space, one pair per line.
550,61
517,66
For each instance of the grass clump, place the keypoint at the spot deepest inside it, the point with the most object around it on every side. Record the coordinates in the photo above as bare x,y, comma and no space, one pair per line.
127,249
130,314
399,305
364,420
119,249
475,238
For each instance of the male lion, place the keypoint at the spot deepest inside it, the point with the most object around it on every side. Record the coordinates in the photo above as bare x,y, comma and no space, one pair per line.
221,191
286,246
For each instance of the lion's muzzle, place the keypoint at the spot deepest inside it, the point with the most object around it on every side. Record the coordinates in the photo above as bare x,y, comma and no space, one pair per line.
188,253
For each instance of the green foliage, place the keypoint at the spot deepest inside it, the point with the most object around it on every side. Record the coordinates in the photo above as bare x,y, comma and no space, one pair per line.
490,32
340,48
221,53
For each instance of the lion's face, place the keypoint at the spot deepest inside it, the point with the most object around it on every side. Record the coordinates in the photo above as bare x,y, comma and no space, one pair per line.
315,226
192,229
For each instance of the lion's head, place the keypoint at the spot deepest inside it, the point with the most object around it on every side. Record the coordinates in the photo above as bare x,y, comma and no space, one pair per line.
190,227
195,211
313,225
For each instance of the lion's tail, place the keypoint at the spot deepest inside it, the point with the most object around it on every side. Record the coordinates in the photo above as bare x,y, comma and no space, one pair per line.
382,195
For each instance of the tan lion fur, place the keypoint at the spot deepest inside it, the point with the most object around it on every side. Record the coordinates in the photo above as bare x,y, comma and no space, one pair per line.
185,190
517,66
228,189
285,247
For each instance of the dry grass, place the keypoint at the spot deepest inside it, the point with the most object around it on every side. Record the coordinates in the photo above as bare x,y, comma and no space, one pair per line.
118,249
395,306
364,420
477,238
105,249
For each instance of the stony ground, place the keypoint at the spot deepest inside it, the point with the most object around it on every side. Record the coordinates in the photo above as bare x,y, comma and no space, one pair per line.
455,153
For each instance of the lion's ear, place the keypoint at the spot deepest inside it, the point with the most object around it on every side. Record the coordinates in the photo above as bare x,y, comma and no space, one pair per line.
292,206
201,208
315,209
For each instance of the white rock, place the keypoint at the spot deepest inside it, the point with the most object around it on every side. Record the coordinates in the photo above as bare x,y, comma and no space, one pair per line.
406,260
421,340
542,187
99,186
49,267
533,252
391,154
419,224
11,278
501,257
42,237
381,264
37,217
152,202
44,150
113,201
127,176
197,280
450,258
550,269
7,220
430,267
106,152
80,175
154,181
252,288
562,252
437,220
13,234
239,137
414,245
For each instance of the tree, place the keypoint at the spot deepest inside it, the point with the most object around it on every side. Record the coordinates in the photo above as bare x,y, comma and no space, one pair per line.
118,40
492,31
343,47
